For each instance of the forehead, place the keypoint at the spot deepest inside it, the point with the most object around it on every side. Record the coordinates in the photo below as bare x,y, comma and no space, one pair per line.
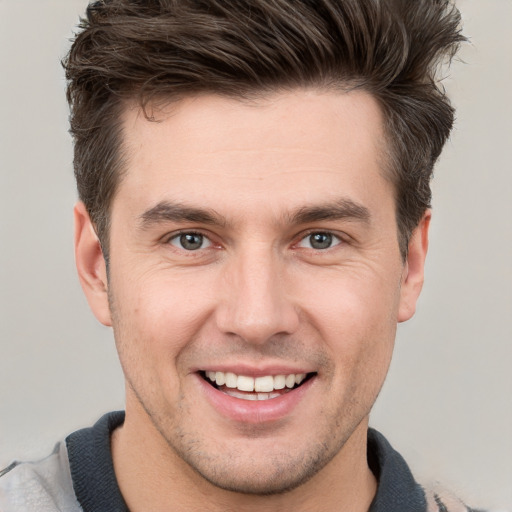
293,144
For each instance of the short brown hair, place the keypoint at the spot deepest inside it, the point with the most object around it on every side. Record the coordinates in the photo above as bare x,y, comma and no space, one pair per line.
143,49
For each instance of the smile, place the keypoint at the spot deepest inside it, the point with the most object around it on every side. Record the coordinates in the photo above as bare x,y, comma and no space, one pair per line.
255,388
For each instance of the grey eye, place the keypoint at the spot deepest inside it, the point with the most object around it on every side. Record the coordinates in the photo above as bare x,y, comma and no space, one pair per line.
319,241
190,241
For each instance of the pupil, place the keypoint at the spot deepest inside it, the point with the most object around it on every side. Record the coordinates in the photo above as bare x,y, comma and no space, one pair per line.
191,241
321,240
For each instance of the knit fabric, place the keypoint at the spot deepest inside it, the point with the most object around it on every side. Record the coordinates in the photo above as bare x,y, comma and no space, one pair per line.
41,486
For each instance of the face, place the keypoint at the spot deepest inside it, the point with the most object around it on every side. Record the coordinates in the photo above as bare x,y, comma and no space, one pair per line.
255,282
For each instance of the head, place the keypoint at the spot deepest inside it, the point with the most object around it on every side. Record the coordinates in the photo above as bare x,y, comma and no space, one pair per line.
166,50
258,175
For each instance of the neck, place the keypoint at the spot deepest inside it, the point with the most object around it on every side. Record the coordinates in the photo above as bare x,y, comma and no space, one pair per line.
151,476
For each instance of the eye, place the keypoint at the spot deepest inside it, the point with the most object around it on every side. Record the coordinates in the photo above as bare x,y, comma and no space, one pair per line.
319,241
190,241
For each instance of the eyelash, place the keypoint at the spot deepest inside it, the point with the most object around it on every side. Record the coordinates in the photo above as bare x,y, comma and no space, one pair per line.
334,239
177,236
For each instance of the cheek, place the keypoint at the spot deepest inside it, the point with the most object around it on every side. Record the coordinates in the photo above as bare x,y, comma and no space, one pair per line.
355,316
352,302
155,318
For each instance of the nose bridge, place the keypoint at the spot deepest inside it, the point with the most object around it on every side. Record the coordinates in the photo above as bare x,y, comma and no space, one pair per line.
256,305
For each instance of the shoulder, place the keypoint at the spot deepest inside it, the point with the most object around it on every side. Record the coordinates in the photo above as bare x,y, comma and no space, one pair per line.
441,500
398,489
42,486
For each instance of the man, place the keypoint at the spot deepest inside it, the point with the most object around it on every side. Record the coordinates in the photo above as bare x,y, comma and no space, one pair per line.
254,185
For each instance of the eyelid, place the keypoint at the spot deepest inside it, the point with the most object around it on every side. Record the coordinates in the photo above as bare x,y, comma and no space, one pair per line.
169,237
341,238
335,234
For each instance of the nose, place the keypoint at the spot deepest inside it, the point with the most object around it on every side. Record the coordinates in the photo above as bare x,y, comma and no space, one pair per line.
255,303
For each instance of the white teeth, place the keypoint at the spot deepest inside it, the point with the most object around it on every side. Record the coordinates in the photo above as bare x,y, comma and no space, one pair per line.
290,381
244,383
243,396
264,384
261,385
251,396
231,380
279,382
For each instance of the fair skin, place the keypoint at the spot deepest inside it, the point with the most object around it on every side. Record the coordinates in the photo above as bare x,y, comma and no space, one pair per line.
256,239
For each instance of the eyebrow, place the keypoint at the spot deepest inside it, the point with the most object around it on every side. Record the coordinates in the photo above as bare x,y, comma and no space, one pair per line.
342,209
165,211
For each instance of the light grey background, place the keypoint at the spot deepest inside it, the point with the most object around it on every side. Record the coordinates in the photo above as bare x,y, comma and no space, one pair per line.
447,402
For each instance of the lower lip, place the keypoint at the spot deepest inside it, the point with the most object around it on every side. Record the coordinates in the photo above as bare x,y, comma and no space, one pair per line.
255,411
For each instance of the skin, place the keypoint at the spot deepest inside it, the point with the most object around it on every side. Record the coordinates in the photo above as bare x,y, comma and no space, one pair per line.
256,295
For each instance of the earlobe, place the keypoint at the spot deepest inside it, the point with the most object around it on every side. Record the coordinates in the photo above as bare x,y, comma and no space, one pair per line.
90,265
414,269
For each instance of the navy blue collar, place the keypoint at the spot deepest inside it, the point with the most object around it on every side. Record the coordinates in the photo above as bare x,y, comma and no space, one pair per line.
397,489
92,469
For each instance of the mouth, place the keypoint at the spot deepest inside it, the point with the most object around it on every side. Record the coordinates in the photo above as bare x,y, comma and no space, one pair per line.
266,387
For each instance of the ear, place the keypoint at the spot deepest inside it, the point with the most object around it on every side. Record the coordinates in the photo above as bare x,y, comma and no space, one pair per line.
414,269
90,263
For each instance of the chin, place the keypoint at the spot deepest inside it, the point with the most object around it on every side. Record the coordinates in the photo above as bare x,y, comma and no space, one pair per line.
269,474
255,483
